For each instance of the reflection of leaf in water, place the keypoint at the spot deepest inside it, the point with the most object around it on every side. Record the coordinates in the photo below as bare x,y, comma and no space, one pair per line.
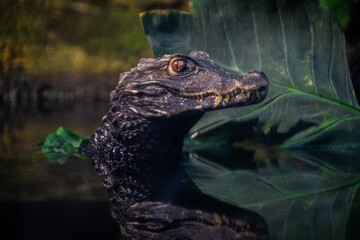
300,197
297,44
62,145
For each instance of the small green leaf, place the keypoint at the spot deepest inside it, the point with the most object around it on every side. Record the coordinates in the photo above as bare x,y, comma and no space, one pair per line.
62,145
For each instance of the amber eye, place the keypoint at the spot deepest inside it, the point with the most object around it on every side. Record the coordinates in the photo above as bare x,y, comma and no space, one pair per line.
178,65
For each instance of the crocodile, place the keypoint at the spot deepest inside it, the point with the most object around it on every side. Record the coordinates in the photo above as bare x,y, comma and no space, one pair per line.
138,148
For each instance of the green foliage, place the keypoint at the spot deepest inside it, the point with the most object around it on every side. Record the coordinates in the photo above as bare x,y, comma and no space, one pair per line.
298,45
62,145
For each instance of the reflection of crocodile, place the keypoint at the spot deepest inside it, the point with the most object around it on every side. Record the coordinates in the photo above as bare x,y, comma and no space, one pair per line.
138,148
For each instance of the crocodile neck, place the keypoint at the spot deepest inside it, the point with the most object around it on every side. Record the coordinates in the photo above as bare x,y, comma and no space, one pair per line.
148,153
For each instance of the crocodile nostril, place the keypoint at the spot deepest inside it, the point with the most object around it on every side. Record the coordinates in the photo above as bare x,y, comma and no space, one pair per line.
262,91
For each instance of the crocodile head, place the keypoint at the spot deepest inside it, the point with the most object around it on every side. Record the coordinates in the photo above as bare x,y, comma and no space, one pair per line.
186,84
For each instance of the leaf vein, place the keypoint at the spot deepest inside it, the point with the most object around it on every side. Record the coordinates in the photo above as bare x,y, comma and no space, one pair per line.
332,60
256,35
227,35
203,25
284,46
311,64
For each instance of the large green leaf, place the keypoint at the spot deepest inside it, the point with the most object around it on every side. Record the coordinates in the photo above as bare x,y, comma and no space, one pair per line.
300,47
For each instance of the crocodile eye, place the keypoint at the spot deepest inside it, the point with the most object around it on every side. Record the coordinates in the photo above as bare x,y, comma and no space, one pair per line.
181,66
178,65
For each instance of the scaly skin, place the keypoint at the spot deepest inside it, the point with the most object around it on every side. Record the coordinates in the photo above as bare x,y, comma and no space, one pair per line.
138,148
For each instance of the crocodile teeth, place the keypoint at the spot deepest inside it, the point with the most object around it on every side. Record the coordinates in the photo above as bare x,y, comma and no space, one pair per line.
219,99
131,91
227,97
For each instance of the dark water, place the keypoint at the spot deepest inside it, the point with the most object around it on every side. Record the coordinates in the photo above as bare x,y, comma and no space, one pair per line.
299,194
47,200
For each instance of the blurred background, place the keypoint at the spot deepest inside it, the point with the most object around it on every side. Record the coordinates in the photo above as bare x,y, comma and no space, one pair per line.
59,60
